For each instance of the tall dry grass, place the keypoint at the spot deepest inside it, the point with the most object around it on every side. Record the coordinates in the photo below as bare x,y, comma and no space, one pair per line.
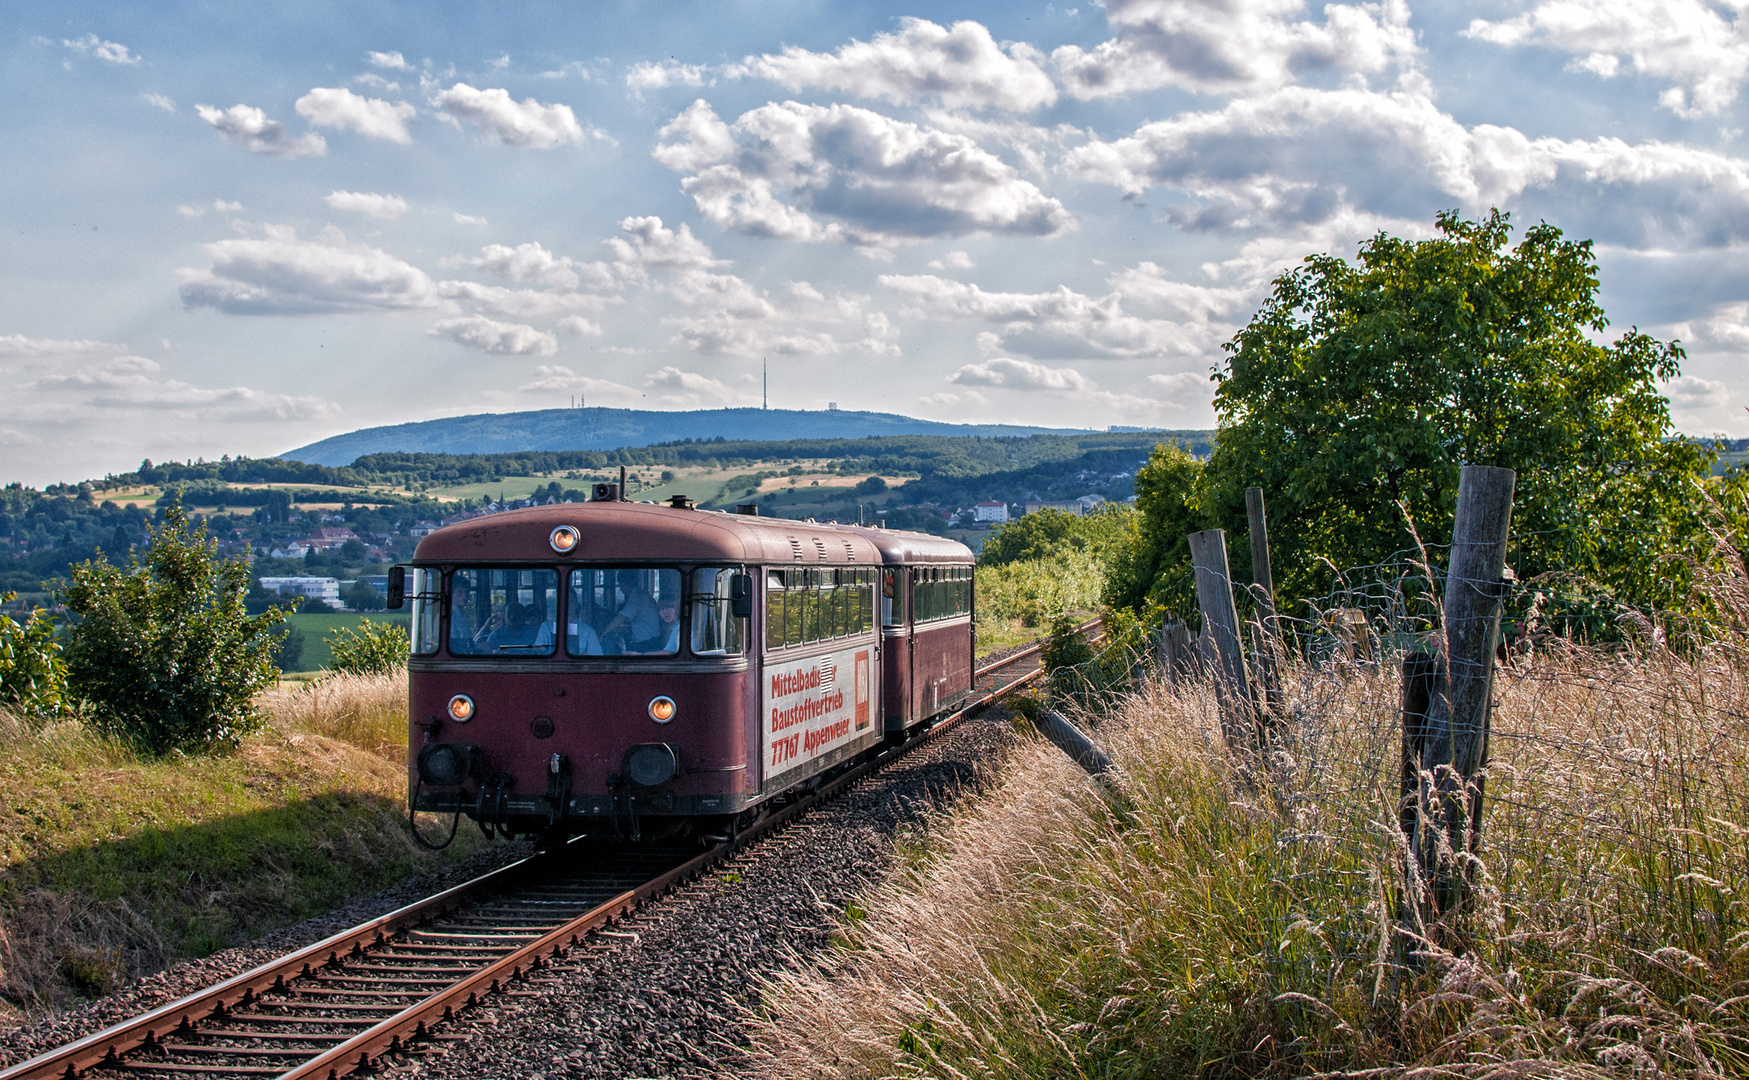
368,711
1226,930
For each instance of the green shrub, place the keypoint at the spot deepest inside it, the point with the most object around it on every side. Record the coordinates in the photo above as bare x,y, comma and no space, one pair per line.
375,648
290,650
165,652
33,677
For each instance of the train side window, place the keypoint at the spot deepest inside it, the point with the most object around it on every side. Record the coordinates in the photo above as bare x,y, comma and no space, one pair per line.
502,611
774,611
427,610
892,607
715,629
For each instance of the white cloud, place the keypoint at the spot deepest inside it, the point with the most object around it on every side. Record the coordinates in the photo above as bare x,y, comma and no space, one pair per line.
219,205
339,107
677,387
528,124
961,67
393,61
647,76
109,378
1689,43
159,101
534,263
1297,158
1692,392
558,379
468,219
578,326
112,51
885,181
1233,46
511,339
518,303
250,128
279,273
650,243
1185,385
368,202
955,260
1018,375
1067,323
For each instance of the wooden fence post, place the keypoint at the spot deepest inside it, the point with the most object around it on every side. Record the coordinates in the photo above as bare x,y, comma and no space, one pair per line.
1451,743
1175,650
1214,594
1263,593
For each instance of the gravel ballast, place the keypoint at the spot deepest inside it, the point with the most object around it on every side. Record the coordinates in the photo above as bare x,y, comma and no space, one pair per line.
661,995
664,995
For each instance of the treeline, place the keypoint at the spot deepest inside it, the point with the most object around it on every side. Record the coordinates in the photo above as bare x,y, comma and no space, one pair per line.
929,456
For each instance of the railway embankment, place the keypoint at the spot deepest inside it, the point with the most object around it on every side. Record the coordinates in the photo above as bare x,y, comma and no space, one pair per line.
115,865
1252,921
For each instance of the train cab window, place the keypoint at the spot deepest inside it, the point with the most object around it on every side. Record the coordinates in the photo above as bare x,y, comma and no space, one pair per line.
624,611
427,610
715,629
502,611
892,599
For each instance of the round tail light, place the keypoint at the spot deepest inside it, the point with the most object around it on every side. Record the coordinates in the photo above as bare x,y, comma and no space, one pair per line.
662,709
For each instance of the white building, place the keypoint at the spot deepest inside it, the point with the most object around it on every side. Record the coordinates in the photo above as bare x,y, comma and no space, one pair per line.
325,589
1079,507
990,513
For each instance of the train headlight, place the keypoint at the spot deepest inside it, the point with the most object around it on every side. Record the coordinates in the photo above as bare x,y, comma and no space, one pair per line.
661,709
461,708
564,539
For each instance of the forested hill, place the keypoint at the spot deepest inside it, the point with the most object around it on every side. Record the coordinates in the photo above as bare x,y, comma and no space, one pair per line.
608,429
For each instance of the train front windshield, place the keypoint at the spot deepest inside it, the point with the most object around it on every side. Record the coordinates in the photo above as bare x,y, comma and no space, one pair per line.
626,611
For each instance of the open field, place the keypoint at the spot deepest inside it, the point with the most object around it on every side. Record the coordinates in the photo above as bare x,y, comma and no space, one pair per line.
316,626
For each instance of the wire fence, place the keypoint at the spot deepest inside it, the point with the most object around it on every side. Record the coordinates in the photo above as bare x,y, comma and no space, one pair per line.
1613,853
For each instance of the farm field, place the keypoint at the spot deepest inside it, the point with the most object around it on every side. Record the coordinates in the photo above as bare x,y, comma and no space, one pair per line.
317,626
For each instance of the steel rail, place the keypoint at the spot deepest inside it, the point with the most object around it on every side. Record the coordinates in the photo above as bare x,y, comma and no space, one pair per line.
106,1048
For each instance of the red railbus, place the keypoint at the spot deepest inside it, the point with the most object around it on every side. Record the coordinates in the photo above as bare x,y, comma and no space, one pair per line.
632,669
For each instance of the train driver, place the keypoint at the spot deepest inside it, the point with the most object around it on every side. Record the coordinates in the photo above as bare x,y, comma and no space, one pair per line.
638,626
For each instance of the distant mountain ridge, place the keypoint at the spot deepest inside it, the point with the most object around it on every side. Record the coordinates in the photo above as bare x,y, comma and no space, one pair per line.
610,429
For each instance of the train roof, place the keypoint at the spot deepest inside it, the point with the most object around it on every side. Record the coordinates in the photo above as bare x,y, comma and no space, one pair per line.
644,532
899,546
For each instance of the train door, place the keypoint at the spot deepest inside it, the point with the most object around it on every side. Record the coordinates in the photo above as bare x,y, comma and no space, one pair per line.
896,647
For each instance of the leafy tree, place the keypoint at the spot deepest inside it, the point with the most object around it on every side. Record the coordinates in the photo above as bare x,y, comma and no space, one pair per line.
1049,533
359,596
375,648
164,651
1358,390
290,650
33,677
1152,566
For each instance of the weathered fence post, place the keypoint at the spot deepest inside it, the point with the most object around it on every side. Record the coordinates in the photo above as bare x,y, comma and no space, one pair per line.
1175,655
1263,593
1449,744
1214,594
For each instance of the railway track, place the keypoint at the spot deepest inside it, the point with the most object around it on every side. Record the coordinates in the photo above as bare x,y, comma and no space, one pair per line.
387,987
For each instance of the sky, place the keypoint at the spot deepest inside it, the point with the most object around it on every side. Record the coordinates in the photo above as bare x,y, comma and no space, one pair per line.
236,229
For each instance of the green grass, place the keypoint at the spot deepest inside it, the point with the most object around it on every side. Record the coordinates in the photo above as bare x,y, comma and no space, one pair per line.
316,627
113,865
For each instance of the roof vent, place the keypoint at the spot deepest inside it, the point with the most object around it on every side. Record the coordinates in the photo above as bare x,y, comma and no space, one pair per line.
680,502
820,546
796,547
750,509
849,552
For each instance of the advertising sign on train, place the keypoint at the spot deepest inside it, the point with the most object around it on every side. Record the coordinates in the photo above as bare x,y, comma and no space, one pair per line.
813,706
